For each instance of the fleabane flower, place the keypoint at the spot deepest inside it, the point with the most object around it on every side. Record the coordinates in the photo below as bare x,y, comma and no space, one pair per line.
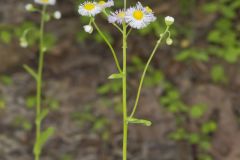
117,17
139,17
89,9
102,4
45,2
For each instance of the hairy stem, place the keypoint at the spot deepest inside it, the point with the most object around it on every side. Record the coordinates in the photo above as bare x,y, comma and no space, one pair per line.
39,85
145,70
124,93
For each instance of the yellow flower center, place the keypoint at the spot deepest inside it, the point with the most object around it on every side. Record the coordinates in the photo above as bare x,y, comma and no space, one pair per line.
148,9
121,14
138,15
45,1
101,2
89,6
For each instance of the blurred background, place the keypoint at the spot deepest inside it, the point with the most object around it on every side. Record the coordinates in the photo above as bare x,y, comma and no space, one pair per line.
191,92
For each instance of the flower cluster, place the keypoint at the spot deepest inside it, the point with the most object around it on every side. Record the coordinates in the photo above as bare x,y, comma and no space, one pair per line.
137,17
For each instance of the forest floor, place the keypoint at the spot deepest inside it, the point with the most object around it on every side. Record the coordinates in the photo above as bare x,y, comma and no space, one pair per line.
72,75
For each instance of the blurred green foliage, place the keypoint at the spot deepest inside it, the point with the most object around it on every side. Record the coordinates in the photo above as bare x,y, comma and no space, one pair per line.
185,114
8,33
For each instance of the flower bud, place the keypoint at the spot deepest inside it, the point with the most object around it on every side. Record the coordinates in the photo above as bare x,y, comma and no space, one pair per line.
169,41
29,7
57,15
23,43
169,20
88,28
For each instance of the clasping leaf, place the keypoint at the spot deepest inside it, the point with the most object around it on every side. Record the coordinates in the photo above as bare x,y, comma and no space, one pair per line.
139,121
116,76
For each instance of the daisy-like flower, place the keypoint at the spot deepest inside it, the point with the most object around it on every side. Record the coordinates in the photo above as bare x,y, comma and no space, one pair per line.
139,17
89,9
45,2
117,17
107,4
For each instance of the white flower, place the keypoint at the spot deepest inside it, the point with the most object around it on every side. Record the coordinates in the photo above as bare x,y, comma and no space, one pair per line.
45,2
57,15
29,7
88,28
89,9
169,20
139,17
107,4
117,17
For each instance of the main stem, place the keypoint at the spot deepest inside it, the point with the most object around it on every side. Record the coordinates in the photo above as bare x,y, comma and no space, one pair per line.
124,93
39,84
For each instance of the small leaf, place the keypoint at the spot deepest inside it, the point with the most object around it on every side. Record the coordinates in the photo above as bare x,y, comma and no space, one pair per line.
116,76
43,114
139,121
42,140
30,71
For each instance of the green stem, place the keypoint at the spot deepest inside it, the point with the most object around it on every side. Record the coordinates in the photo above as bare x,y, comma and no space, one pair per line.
39,85
145,70
124,93
109,45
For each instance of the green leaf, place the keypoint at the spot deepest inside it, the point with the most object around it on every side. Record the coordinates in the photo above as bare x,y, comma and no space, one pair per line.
45,135
197,111
6,80
30,71
218,74
116,76
139,121
43,114
31,102
209,127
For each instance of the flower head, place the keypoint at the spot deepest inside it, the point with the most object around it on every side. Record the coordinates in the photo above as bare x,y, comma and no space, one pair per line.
89,9
169,20
102,4
45,2
117,17
88,28
139,17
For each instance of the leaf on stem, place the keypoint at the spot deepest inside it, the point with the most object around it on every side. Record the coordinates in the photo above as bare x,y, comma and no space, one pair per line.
139,121
116,76
43,139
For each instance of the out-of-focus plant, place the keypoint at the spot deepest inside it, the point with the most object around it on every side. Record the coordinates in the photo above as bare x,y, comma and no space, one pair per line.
41,113
98,124
125,20
218,74
200,136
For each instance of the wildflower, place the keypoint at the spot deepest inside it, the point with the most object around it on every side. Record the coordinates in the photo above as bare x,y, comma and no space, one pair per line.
29,7
117,16
169,20
46,2
57,15
88,28
107,4
89,9
139,17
